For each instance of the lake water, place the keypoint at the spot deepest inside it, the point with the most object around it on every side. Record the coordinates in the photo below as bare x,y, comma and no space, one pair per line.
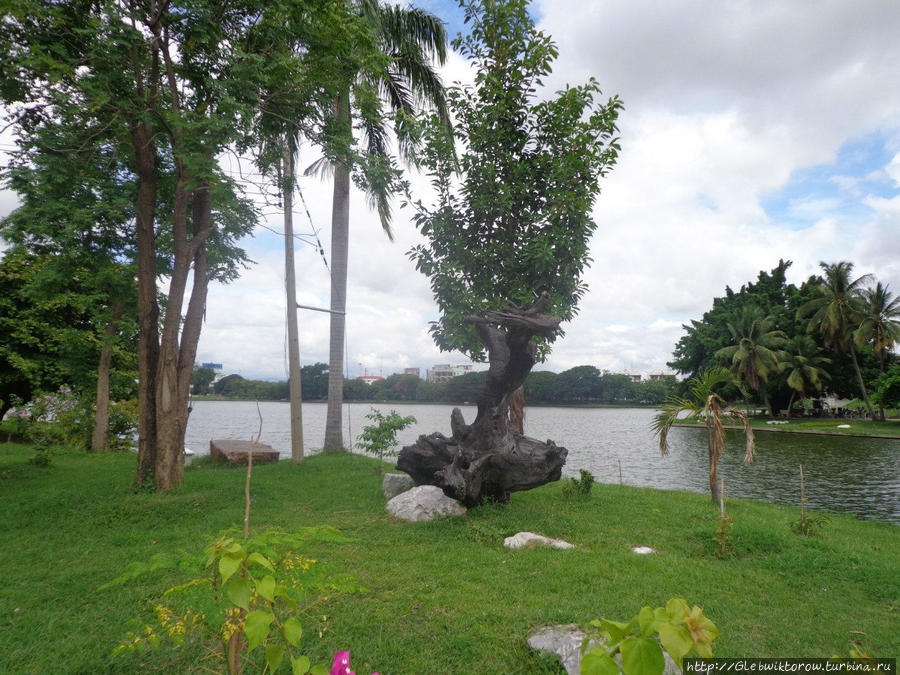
860,476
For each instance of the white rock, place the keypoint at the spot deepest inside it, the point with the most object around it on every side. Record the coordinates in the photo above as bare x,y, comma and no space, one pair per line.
530,539
643,550
565,641
425,502
394,483
843,426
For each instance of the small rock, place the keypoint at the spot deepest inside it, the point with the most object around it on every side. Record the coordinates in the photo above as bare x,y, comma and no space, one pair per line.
565,641
643,550
530,539
394,483
843,426
425,502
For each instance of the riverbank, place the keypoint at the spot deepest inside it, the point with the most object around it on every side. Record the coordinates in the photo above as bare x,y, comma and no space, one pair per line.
441,597
889,429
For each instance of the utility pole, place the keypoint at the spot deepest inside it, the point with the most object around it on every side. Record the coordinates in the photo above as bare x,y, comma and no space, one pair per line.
291,289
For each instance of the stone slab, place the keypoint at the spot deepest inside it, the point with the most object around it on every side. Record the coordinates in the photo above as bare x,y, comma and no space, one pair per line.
236,452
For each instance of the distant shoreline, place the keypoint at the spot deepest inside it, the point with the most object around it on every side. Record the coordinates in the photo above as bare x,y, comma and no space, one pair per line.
779,429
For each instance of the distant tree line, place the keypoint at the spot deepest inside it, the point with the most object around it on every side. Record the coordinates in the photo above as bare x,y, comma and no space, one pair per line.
834,334
579,385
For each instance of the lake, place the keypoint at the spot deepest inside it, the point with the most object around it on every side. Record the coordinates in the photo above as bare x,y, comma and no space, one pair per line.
860,476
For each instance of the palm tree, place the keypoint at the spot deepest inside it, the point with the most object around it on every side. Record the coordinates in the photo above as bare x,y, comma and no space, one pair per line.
837,313
804,365
704,403
880,323
411,40
755,352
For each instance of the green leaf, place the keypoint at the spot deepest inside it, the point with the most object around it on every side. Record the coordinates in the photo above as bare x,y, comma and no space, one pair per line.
598,662
266,587
228,565
615,629
646,619
642,656
238,591
274,656
677,609
293,631
260,559
675,639
319,669
300,665
256,628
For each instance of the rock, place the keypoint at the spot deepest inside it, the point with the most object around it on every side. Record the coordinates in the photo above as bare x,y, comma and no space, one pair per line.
643,550
235,452
565,641
395,483
425,502
530,539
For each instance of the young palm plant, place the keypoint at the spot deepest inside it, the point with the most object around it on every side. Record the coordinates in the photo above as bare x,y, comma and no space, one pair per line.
705,404
879,324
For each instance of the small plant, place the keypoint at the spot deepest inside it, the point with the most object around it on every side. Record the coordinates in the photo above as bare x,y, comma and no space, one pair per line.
676,628
380,438
725,523
581,486
49,420
808,524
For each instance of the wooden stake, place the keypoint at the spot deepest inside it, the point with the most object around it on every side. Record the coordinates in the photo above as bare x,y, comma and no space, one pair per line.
620,472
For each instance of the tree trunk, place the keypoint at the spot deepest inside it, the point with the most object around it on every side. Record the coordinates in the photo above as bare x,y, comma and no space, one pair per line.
100,435
517,411
791,403
290,285
862,384
148,308
486,460
340,241
713,464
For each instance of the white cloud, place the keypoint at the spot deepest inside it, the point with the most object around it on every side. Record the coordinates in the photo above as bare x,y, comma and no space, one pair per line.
724,102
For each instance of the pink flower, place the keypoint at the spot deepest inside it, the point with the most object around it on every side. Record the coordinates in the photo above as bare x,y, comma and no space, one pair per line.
341,664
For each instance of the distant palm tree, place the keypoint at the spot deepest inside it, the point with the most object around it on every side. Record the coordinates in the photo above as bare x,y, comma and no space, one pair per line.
411,39
704,403
754,354
804,365
837,313
880,323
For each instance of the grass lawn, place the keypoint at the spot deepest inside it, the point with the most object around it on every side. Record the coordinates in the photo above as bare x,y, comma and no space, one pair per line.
442,597
819,425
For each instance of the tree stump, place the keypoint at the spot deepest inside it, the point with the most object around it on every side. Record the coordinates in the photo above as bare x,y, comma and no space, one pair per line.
487,459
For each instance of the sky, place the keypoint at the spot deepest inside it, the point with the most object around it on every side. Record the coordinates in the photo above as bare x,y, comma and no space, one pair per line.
752,132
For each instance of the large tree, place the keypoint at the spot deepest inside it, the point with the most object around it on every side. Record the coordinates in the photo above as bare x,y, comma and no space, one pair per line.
755,350
410,40
507,240
171,84
836,313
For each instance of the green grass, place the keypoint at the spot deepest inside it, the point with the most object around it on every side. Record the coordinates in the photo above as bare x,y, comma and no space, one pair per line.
858,427
442,597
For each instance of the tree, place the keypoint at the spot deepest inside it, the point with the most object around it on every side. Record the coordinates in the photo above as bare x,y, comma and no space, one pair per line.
169,85
410,39
880,321
507,242
836,313
704,403
887,388
202,380
754,353
805,368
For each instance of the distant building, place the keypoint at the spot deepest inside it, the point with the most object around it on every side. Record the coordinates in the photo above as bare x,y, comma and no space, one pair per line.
413,371
216,368
444,372
634,377
369,379
660,377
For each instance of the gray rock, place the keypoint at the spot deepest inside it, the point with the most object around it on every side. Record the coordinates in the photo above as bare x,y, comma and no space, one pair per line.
425,502
395,483
565,640
530,539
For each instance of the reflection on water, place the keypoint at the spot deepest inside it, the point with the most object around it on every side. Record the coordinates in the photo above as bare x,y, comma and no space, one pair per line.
854,475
